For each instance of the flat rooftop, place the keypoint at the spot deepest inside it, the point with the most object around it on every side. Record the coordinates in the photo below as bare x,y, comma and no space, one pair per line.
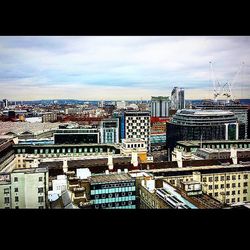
106,178
31,170
197,142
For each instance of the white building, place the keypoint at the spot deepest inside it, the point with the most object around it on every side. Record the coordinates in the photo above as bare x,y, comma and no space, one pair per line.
177,98
121,105
137,125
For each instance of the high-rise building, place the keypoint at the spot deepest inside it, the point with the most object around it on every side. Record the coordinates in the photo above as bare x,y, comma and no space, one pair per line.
109,131
177,98
160,106
5,103
137,125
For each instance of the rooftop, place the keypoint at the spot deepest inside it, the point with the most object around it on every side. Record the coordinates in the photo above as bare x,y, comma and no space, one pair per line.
106,178
201,112
31,170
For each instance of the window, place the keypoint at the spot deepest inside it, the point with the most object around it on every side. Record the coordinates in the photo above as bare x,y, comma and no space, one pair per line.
110,195
245,184
238,200
15,179
16,207
222,178
238,191
40,199
6,191
222,186
233,200
210,179
123,194
238,177
227,193
227,200
204,179
103,196
216,178
16,199
6,200
233,185
228,185
216,186
244,198
40,190
238,184
16,189
245,176
233,192
234,177
228,178
40,179
210,187
244,191
216,194
40,207
96,196
129,193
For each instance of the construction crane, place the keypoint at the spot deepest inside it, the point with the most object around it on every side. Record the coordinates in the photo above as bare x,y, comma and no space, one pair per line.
216,83
226,89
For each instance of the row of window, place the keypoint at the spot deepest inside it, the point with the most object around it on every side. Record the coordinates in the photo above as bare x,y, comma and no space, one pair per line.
117,206
112,190
210,187
7,199
63,150
222,178
122,184
39,179
112,200
112,195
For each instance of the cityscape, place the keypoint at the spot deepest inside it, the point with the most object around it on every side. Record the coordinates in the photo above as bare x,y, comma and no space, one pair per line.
124,123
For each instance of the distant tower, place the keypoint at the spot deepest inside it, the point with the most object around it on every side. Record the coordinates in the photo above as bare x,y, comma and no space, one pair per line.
177,98
160,106
5,103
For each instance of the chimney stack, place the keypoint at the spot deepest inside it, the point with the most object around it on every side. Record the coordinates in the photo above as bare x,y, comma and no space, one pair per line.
179,158
134,158
65,166
110,161
234,155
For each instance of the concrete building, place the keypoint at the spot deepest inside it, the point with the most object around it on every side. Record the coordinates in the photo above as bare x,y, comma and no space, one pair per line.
160,106
115,190
49,117
177,98
109,131
25,188
137,125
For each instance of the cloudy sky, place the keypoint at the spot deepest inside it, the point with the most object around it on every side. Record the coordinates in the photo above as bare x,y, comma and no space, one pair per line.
120,67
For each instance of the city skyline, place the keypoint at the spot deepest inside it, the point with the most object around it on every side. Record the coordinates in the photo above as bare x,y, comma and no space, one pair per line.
131,68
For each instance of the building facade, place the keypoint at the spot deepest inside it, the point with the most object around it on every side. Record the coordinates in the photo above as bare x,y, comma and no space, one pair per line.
137,125
160,106
113,191
109,131
177,98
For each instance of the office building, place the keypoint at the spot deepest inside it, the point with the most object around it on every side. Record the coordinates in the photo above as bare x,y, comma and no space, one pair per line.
160,106
109,131
76,136
240,111
194,124
137,125
177,98
112,191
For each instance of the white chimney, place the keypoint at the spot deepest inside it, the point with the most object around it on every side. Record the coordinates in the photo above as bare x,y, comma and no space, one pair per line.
234,155
125,170
134,158
119,171
35,163
110,161
106,172
65,165
179,158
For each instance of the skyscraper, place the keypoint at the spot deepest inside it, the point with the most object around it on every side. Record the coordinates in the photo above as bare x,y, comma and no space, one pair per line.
177,98
160,106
